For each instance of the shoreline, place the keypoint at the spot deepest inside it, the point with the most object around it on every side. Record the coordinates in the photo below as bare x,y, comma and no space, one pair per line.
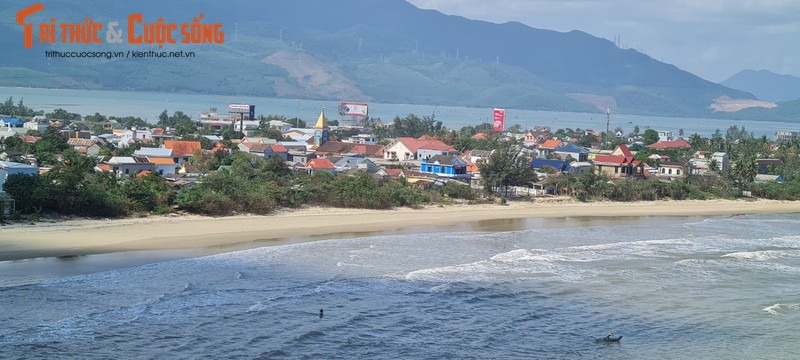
73,238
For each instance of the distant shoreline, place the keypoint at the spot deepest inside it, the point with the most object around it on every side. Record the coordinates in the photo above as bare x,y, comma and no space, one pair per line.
86,237
453,116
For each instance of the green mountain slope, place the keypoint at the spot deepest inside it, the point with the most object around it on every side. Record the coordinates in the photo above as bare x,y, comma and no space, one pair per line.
374,50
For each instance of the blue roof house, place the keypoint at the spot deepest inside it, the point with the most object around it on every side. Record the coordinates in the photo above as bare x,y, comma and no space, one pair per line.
576,152
12,122
558,165
444,165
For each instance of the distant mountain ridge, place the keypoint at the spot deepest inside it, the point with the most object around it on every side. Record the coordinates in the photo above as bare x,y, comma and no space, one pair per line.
373,50
766,85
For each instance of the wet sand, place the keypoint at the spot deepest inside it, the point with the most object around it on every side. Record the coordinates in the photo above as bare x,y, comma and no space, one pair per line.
74,247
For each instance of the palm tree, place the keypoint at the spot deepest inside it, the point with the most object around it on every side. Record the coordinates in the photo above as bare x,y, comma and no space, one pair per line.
696,141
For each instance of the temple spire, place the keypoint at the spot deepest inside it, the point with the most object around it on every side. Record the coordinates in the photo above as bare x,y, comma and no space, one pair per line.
322,123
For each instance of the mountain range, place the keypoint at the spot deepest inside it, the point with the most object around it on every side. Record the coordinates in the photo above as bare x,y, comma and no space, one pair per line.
364,50
766,85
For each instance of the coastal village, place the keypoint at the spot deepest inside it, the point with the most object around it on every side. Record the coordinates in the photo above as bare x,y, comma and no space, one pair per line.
425,154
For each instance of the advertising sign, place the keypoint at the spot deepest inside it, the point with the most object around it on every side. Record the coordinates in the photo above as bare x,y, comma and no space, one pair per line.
499,120
353,109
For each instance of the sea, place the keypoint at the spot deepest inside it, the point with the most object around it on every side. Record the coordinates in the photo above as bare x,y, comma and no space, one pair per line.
148,105
674,288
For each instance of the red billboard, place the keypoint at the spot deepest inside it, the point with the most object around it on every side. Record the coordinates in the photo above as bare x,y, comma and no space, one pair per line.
499,120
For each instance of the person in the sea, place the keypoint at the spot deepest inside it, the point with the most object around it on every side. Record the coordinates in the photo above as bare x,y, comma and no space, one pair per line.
320,313
608,336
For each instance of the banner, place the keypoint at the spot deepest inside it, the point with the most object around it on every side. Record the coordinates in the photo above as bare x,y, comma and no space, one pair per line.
499,120
353,109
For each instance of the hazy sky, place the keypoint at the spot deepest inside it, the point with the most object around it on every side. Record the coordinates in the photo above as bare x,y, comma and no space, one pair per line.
713,39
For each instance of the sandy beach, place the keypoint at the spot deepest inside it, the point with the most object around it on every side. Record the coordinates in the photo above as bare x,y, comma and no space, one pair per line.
85,237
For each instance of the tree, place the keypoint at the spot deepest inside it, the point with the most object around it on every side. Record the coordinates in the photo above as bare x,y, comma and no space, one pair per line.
650,137
696,141
507,166
163,118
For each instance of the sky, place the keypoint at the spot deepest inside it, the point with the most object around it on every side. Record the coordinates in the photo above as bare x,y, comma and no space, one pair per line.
713,39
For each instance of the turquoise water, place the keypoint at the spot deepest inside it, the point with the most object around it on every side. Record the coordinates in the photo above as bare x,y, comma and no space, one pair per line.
148,105
717,288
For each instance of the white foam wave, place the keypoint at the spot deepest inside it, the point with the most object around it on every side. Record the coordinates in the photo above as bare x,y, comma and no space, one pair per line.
780,309
763,255
510,265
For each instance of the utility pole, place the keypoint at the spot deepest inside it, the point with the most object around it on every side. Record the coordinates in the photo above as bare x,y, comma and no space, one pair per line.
608,121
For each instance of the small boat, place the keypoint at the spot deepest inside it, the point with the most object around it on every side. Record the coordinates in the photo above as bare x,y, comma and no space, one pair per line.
612,339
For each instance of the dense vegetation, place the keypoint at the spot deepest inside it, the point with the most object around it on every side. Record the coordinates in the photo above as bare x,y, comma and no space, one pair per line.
248,184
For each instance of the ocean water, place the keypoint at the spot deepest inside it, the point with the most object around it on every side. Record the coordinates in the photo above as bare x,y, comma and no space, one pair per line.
148,105
717,288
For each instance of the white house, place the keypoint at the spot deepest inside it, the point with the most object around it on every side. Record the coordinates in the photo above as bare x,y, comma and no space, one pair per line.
361,139
38,123
665,135
123,166
134,135
408,148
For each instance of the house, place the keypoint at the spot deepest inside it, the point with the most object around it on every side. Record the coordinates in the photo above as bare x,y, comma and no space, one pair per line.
12,122
764,178
255,148
572,150
348,163
478,155
10,168
300,157
319,165
294,145
547,148
393,173
263,140
250,126
163,165
788,136
672,170
135,135
764,165
482,136
538,164
274,150
408,148
361,139
337,148
536,136
580,167
676,144
665,135
299,134
279,125
150,152
619,164
38,123
123,166
85,146
182,150
723,161
445,165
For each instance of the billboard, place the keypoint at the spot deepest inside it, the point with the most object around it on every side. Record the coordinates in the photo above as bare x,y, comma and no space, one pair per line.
250,110
353,109
499,120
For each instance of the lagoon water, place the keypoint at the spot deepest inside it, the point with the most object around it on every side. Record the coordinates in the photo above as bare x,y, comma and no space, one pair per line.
149,105
694,288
